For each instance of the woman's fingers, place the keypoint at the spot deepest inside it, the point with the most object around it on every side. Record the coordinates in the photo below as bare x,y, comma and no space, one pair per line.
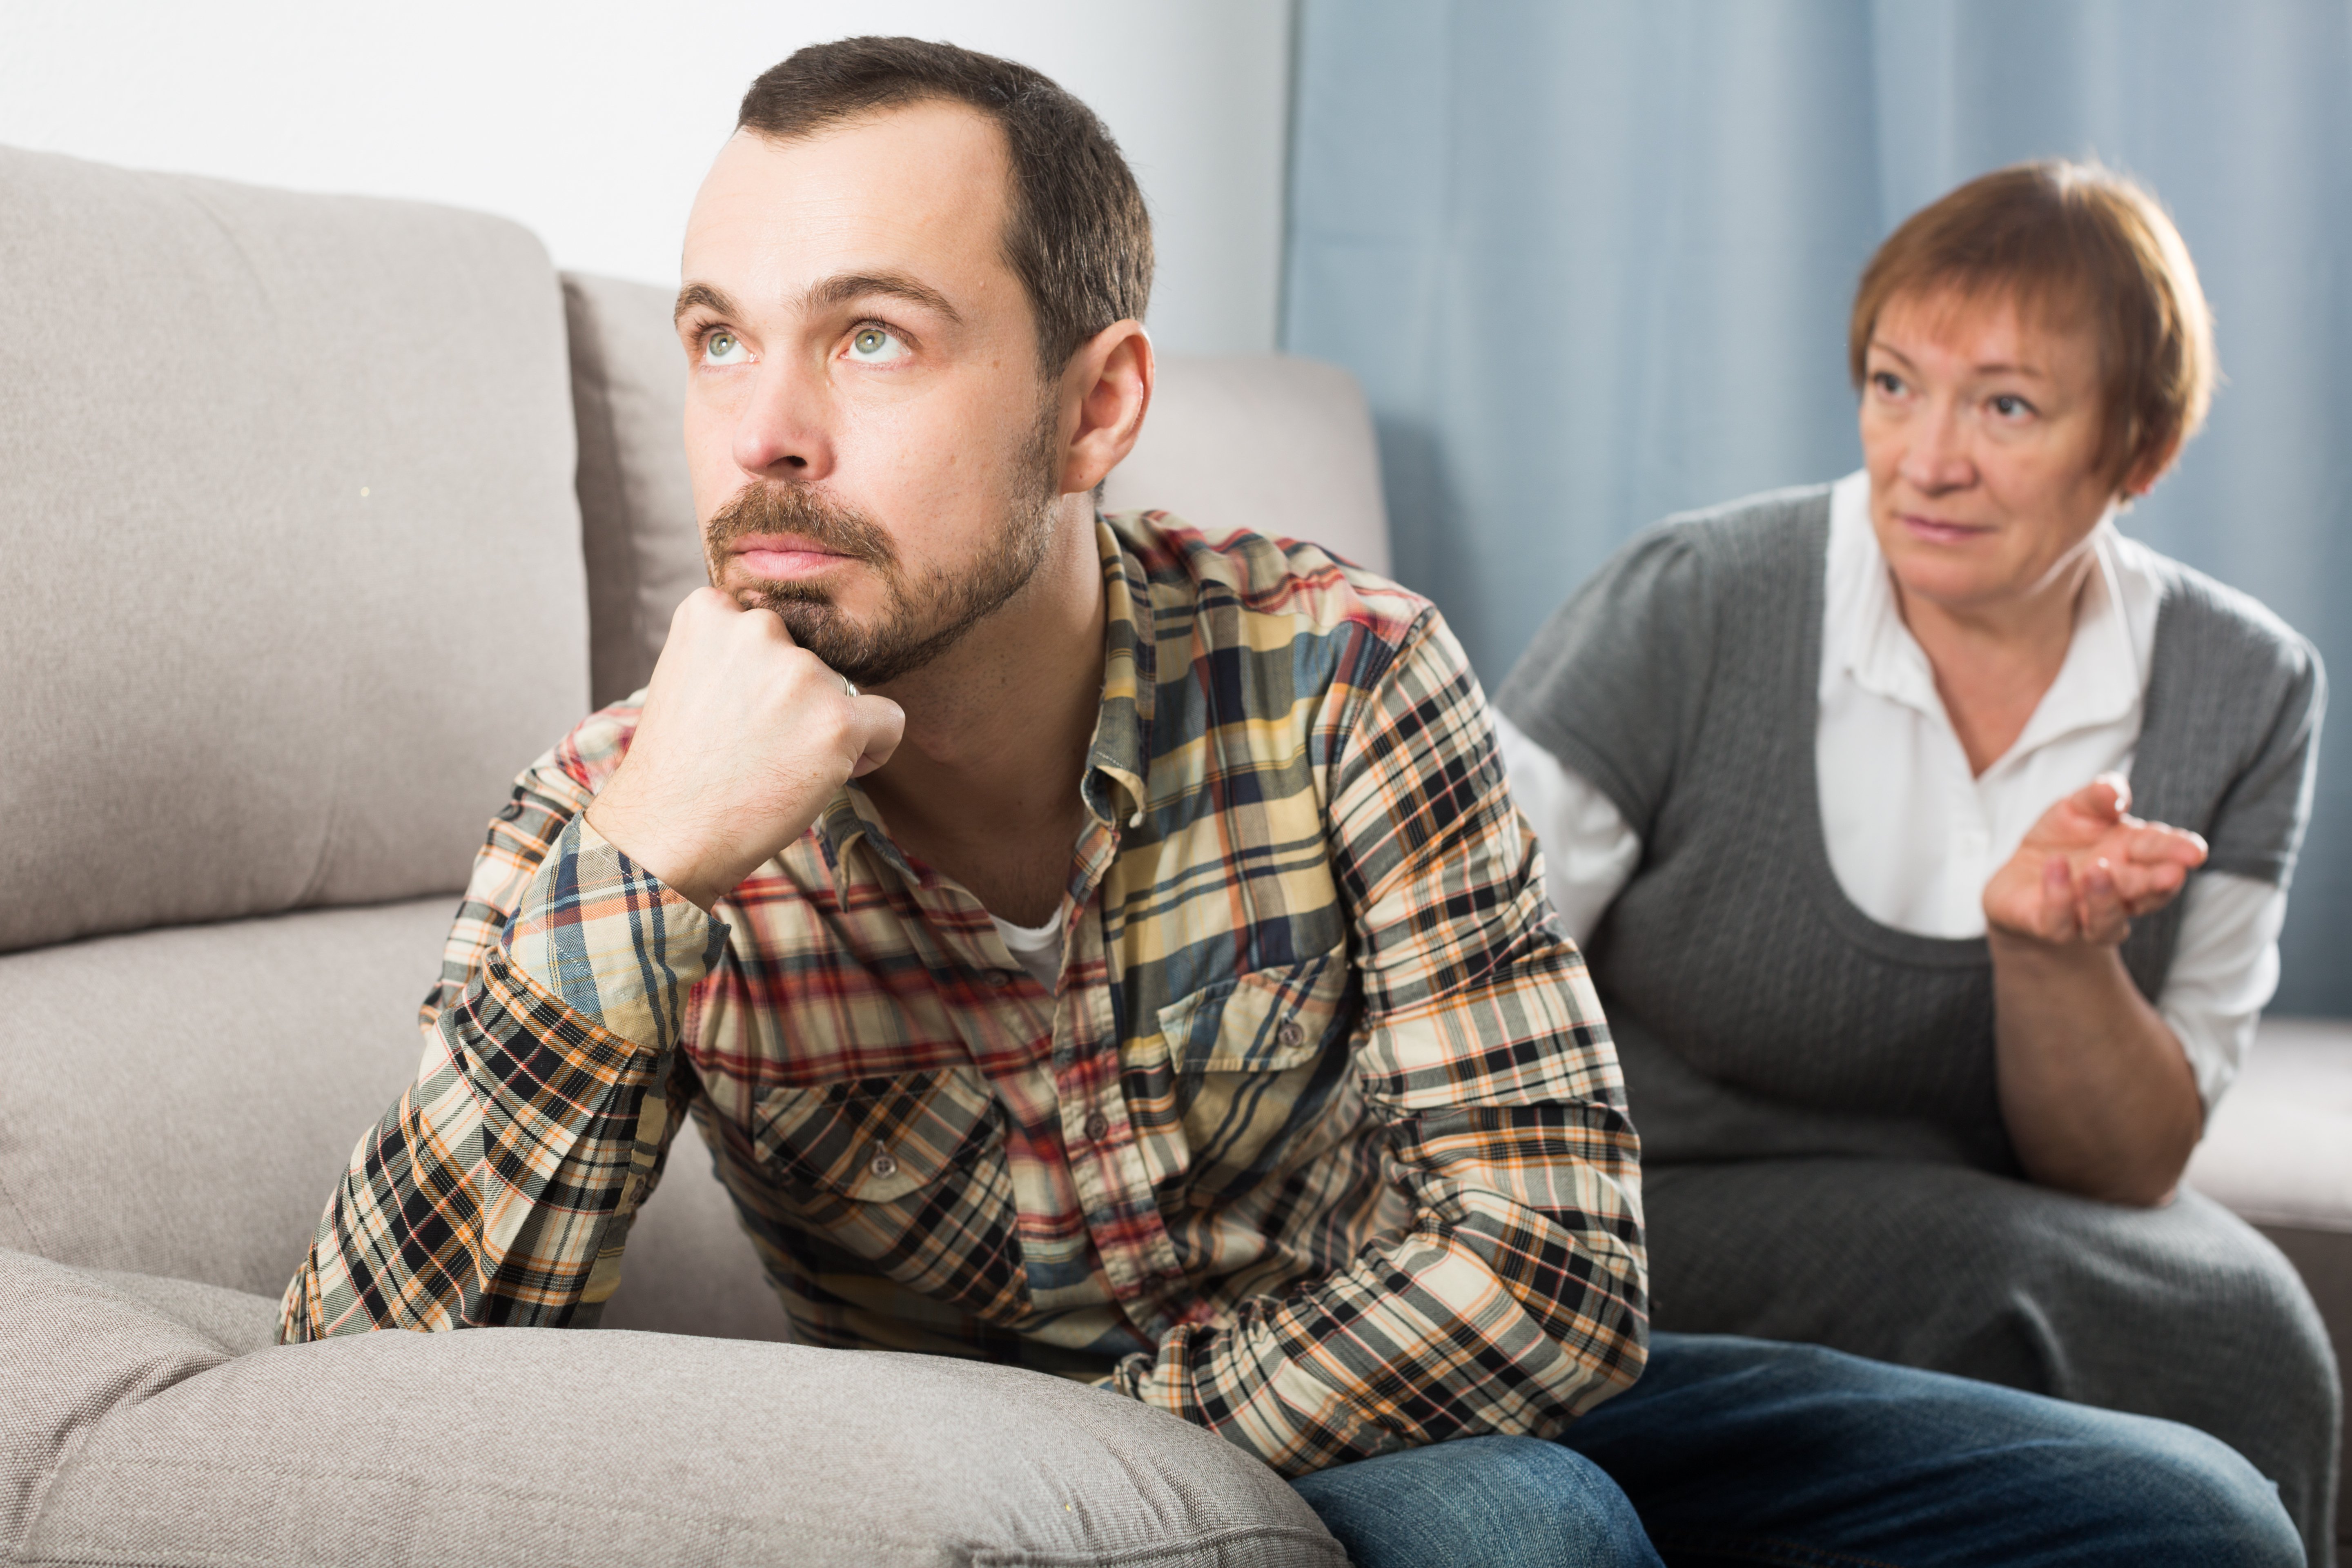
2099,906
2059,913
2155,843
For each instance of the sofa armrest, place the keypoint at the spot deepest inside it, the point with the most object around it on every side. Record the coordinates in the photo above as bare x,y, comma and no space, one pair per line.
129,1435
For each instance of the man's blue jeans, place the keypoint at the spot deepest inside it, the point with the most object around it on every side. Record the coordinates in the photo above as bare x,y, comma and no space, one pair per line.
1740,1451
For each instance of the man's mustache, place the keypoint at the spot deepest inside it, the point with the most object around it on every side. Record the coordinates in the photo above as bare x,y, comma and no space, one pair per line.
770,506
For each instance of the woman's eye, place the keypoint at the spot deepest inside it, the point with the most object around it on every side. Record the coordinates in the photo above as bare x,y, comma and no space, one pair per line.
875,345
1888,383
723,348
2011,406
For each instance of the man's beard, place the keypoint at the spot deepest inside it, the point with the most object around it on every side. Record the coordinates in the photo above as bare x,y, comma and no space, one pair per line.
922,616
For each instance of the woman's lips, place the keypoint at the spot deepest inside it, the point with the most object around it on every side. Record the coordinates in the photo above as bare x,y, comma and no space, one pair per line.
1936,531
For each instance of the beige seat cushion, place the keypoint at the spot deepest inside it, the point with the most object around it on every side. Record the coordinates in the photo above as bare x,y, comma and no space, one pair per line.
293,584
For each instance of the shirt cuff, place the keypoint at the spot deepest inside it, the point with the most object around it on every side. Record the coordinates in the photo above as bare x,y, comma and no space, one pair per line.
611,940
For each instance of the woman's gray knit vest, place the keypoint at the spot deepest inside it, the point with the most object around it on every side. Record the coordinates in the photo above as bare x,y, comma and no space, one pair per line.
1757,1010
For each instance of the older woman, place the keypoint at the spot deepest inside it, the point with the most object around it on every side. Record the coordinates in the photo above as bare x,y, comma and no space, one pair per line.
1919,1023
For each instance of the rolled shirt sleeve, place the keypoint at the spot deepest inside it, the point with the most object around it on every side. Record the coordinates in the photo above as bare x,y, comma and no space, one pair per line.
2225,968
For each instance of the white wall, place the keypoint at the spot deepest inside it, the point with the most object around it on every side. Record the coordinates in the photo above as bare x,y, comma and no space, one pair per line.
593,121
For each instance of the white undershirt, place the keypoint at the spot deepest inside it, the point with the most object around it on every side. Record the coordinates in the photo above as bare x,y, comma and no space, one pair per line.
1037,949
1912,836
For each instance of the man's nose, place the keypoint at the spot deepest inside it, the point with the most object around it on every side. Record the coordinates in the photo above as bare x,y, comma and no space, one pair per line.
785,429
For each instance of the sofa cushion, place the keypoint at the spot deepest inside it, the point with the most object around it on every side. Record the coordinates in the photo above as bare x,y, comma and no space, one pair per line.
2279,1152
1265,442
180,1102
293,584
129,1436
636,504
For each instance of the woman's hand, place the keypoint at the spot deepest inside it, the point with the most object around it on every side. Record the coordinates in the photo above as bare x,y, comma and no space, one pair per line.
2094,1089
2088,868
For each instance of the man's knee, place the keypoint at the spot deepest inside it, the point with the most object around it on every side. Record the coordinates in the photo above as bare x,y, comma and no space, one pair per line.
2198,1496
1479,1502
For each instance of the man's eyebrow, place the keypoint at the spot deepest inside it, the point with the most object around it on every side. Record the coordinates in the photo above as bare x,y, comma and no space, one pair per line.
845,287
714,301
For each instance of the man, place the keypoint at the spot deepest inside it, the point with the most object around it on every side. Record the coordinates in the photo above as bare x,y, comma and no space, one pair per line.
1090,947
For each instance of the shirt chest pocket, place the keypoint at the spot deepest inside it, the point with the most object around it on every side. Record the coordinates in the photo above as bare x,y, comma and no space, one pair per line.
1258,1060
874,1139
906,1171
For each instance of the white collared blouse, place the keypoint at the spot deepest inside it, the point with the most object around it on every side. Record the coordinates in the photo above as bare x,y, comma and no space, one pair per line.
1913,835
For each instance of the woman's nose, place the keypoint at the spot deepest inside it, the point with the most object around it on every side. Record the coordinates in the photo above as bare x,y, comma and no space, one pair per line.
1936,460
783,430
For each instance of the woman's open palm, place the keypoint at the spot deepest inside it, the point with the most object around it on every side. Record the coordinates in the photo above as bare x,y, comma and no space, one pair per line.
2088,867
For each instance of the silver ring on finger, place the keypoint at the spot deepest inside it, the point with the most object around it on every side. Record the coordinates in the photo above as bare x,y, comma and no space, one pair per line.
848,687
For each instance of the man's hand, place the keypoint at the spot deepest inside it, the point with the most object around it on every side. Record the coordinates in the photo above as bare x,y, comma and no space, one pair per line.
745,736
2089,868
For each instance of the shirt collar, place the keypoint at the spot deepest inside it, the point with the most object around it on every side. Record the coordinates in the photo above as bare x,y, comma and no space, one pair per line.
1863,639
1115,787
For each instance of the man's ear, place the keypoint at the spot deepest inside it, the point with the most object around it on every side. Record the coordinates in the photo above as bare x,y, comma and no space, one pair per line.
1109,382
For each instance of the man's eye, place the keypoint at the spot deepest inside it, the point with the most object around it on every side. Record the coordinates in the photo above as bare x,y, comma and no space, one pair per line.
875,345
723,348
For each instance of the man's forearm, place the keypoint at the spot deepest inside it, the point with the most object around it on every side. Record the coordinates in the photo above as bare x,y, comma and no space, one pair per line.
1515,1301
490,1192
2096,1094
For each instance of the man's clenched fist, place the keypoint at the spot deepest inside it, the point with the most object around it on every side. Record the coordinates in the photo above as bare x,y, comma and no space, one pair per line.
745,736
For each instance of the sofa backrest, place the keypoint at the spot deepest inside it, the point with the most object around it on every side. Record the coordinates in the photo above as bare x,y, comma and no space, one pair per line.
1263,442
271,466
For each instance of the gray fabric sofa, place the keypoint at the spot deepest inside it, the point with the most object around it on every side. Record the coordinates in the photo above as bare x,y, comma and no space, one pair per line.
319,517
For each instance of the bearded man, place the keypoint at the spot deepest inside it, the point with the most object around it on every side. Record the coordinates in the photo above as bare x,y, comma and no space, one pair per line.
1089,946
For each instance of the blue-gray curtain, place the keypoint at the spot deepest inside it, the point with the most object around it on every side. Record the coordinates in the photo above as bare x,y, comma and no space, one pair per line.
1591,261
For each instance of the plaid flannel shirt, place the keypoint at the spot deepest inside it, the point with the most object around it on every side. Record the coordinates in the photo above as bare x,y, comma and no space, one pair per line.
1319,1144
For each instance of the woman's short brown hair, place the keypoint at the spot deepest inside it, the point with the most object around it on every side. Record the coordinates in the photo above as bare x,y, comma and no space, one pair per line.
2069,242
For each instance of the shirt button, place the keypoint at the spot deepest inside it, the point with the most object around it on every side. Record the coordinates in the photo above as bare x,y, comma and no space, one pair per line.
1000,978
883,1165
1098,1126
1290,1034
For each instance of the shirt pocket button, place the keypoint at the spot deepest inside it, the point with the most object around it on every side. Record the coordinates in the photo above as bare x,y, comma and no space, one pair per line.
883,1165
1291,1033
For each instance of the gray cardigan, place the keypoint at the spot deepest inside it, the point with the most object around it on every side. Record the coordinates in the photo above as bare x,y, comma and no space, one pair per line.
1757,1010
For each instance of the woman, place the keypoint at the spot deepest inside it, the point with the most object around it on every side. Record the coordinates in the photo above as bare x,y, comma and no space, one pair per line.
1919,1024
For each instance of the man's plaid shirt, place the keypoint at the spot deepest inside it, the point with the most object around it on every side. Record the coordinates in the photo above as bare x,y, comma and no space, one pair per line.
1320,1143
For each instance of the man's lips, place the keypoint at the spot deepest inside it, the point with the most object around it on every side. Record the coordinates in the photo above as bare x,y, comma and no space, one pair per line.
776,556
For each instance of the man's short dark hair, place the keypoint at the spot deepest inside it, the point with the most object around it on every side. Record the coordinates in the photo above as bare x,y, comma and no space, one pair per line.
1076,234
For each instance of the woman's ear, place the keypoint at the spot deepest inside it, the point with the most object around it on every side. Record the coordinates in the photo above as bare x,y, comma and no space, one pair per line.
1109,379
2150,466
